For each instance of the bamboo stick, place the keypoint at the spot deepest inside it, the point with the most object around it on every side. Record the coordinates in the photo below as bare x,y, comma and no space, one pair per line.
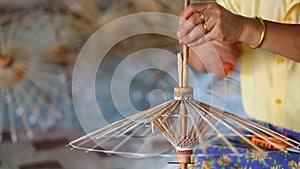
228,126
24,117
12,123
2,41
195,120
116,125
215,129
2,91
185,67
29,101
12,29
125,130
186,3
183,118
180,68
252,126
185,55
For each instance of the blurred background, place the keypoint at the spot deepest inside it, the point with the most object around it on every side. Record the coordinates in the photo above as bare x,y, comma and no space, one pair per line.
40,41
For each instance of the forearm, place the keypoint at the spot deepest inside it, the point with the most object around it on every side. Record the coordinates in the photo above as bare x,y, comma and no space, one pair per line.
282,39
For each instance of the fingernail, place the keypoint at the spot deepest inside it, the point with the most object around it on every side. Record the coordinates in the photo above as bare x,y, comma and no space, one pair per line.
178,34
180,22
181,41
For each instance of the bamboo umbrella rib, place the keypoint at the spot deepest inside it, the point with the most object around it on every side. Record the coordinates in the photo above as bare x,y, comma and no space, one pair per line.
13,130
248,129
115,135
2,41
123,131
246,124
216,130
67,99
12,27
34,89
1,111
137,117
55,65
43,98
23,115
53,90
51,59
127,130
34,25
90,135
47,75
267,131
258,127
171,110
118,135
200,128
204,126
195,129
184,122
57,33
104,134
127,138
29,101
259,135
128,121
230,127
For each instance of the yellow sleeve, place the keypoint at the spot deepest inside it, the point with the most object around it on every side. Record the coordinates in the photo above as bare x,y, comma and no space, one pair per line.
232,5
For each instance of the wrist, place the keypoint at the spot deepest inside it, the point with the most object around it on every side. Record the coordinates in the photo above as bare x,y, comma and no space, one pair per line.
251,31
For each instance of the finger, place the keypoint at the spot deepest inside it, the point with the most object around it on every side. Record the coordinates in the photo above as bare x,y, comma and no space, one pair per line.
191,9
197,42
200,41
189,25
212,34
204,28
196,33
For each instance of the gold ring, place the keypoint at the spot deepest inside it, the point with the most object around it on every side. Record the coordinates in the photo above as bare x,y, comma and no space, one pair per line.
201,17
205,27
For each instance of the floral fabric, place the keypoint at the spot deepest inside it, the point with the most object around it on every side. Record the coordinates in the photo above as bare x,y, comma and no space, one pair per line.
220,157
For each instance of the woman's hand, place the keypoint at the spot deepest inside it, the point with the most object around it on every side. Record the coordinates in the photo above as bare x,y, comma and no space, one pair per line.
203,22
219,57
209,19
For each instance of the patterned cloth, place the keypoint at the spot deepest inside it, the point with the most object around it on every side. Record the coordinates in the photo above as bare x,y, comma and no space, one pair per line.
222,157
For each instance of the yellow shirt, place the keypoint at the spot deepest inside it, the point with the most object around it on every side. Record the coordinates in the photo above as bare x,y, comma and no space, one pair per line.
270,84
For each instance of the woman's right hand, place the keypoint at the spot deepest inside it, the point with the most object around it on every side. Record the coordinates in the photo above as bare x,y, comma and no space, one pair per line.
220,61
